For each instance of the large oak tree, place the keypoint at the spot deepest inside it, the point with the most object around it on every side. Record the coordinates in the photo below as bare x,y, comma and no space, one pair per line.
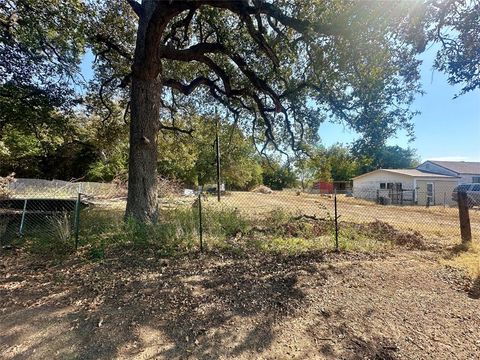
279,67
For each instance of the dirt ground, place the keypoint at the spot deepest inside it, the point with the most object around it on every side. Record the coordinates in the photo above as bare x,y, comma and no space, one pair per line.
396,305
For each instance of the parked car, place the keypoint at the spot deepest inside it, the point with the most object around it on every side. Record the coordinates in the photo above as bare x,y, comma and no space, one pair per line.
473,193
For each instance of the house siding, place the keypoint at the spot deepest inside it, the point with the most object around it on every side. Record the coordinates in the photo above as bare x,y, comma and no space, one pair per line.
467,178
463,178
366,187
442,191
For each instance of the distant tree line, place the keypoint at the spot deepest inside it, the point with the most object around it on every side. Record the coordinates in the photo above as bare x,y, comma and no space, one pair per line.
54,145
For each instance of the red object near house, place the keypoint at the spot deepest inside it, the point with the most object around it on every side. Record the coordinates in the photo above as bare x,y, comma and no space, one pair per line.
324,187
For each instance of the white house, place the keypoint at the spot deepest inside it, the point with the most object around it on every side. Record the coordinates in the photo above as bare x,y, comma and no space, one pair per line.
467,171
431,182
405,186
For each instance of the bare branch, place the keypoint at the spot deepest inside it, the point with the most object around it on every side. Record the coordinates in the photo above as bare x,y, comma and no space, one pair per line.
259,39
191,53
176,129
189,88
102,99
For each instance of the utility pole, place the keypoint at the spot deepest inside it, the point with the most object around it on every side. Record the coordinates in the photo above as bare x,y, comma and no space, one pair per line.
217,149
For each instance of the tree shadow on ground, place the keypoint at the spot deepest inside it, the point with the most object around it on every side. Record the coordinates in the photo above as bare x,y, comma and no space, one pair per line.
474,291
190,305
456,250
188,308
228,309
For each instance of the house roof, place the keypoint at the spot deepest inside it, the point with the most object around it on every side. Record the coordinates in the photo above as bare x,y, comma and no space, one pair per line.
410,172
460,167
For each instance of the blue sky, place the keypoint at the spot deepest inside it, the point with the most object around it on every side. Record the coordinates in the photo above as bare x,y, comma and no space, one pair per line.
446,129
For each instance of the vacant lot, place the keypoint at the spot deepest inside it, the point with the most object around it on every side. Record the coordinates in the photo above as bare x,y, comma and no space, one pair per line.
269,291
434,222
396,305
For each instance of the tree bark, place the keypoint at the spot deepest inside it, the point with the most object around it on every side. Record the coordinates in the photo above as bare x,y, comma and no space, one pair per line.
142,172
145,102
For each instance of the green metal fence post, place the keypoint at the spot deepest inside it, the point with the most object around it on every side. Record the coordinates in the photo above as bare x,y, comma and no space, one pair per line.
77,219
22,222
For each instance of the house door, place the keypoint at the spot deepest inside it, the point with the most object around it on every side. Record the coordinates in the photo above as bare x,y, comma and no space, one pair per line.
430,194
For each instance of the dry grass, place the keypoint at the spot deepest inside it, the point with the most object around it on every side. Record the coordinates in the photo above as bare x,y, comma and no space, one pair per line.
465,257
439,224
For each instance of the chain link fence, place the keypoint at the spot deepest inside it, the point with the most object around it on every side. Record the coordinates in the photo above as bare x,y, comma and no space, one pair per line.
67,214
43,211
410,212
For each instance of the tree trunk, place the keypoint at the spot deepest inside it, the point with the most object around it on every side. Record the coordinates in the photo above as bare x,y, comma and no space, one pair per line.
142,170
145,102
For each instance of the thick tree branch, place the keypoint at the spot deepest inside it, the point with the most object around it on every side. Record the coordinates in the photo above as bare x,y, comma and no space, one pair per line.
104,39
191,53
136,7
260,39
185,23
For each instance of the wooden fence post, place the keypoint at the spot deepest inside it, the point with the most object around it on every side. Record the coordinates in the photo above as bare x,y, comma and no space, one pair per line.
465,228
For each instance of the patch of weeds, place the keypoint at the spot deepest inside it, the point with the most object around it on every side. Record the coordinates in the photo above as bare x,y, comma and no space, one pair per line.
225,223
352,238
381,233
306,228
172,235
51,238
96,253
235,246
103,228
58,278
289,234
99,226
276,218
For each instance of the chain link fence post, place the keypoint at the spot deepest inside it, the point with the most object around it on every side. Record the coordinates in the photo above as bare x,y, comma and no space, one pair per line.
336,220
22,221
200,225
77,219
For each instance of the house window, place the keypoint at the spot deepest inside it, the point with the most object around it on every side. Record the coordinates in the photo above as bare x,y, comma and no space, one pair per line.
476,179
382,185
390,186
